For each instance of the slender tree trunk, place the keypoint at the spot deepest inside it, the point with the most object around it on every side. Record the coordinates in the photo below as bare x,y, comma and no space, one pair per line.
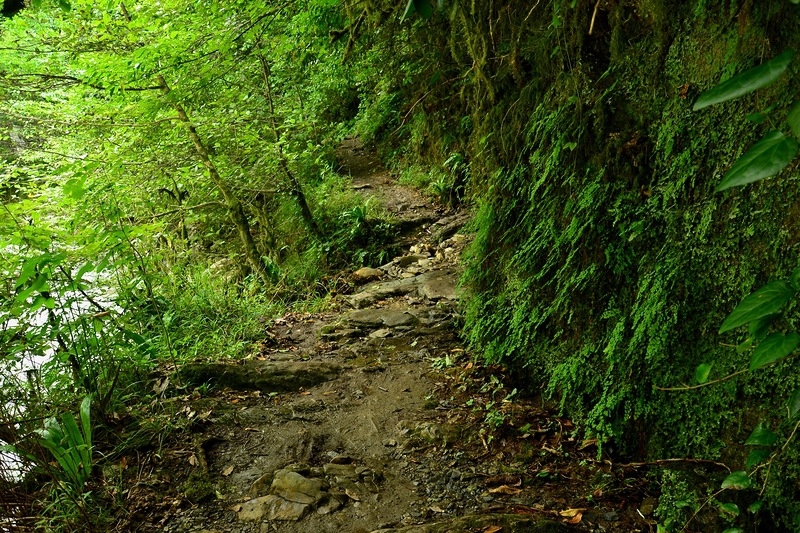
297,190
234,205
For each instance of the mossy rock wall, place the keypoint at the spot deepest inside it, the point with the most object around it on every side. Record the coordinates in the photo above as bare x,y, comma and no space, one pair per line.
604,263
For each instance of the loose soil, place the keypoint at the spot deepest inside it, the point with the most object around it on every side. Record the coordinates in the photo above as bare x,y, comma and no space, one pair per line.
373,416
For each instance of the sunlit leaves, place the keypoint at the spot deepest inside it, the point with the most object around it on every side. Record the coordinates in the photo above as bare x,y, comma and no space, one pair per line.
746,82
767,300
767,157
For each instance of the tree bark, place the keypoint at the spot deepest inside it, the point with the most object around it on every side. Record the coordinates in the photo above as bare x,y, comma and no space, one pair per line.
297,190
234,205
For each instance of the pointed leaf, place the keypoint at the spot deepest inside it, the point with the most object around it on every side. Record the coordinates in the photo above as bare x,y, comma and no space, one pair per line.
730,508
767,300
755,457
774,348
86,421
795,279
756,118
755,506
761,436
793,118
737,481
746,82
758,328
794,403
766,158
701,373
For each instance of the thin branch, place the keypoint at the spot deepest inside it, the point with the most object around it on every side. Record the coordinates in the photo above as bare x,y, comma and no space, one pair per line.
706,384
658,462
77,81
594,15
91,124
701,508
183,209
84,158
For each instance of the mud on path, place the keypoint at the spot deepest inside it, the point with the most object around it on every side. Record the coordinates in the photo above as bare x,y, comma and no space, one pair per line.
372,416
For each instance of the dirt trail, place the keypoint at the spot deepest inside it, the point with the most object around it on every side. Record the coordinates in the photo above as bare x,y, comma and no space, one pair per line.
373,417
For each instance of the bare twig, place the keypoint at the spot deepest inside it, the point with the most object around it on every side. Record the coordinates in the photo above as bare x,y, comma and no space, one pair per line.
706,384
594,15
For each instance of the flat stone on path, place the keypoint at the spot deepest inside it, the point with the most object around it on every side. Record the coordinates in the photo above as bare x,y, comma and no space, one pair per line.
293,487
273,508
382,317
268,376
434,285
438,288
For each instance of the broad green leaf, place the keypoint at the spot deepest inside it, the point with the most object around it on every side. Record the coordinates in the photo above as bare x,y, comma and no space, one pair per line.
701,373
774,348
755,457
758,328
793,118
737,481
795,279
87,267
766,158
794,403
761,436
755,506
767,300
86,420
64,5
734,530
746,82
761,116
730,508
74,189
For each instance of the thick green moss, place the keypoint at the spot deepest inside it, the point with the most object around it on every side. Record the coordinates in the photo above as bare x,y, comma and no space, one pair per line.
603,262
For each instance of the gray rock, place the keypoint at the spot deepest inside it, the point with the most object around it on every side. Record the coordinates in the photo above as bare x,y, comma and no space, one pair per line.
255,509
438,287
267,376
380,333
293,487
280,509
348,471
338,334
407,260
382,317
366,274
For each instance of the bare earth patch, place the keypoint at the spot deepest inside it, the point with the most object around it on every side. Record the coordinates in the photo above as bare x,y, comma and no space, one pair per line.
373,416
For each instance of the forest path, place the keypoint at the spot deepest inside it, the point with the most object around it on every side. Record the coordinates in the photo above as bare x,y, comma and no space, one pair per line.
371,416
